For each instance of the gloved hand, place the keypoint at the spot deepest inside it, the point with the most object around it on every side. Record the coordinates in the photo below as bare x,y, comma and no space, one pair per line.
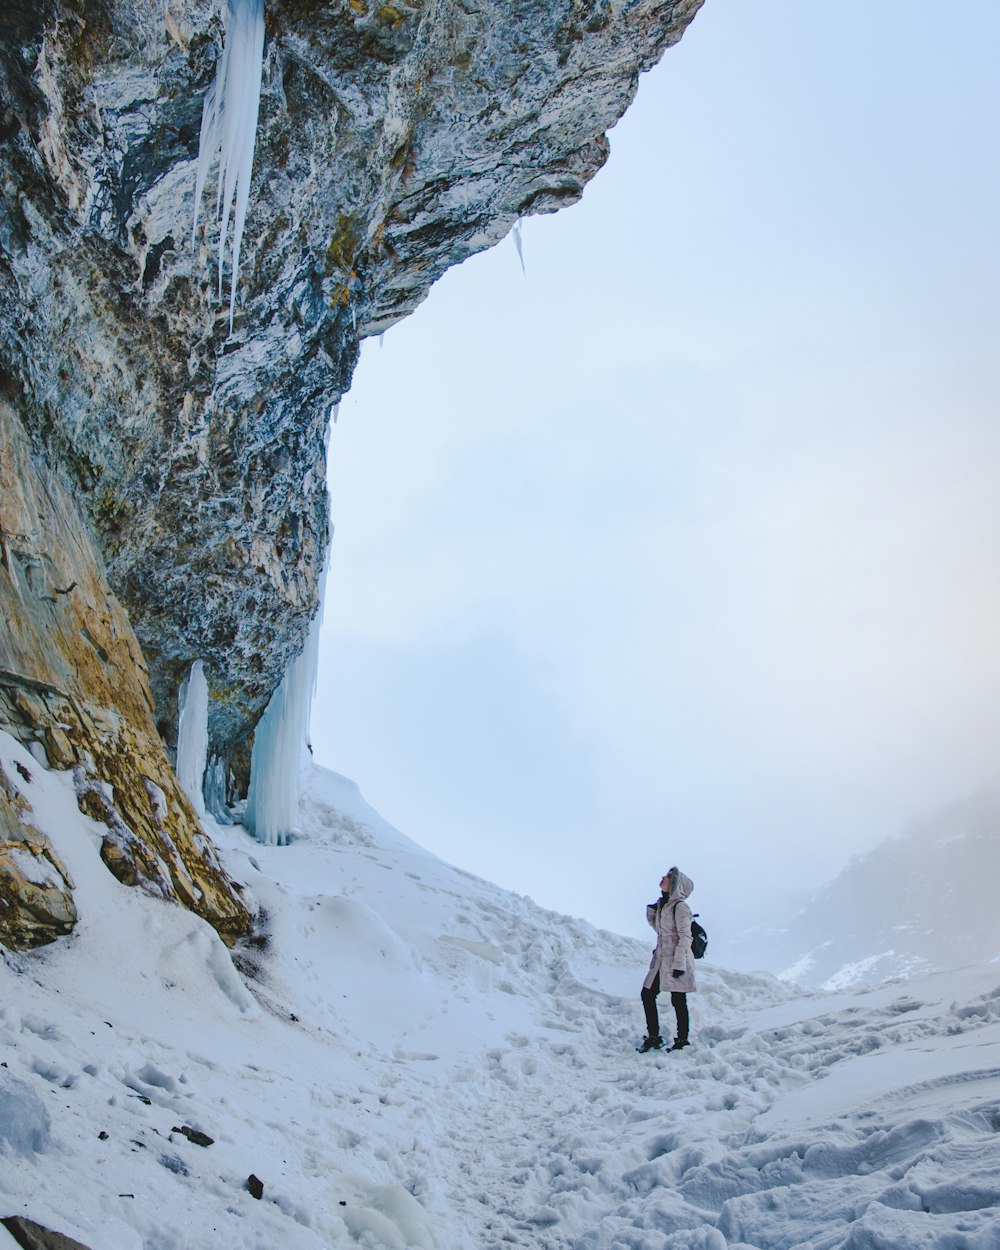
678,974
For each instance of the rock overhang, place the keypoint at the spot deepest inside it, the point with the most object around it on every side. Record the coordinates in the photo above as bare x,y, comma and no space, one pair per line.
394,140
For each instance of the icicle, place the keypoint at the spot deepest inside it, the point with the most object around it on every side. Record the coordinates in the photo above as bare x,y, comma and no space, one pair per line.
192,735
229,128
282,732
518,244
216,791
335,412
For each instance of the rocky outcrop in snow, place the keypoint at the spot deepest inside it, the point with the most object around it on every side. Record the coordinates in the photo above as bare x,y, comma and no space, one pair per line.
36,899
73,683
33,1236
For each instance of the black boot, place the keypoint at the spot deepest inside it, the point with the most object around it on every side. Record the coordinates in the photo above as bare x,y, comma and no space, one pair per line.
650,1043
680,1043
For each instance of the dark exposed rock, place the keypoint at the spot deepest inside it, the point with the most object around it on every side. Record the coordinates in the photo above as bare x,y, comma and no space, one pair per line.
255,1186
32,1236
195,1136
36,900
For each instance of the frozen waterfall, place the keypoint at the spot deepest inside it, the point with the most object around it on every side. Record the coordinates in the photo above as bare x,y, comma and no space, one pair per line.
229,128
216,790
192,735
281,734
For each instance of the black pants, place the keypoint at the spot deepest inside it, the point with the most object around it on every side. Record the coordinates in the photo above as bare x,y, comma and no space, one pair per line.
678,1001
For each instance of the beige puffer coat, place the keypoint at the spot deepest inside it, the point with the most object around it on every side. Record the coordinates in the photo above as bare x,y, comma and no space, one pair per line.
671,918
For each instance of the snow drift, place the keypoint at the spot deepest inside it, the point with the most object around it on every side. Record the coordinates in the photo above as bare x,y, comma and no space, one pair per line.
412,1057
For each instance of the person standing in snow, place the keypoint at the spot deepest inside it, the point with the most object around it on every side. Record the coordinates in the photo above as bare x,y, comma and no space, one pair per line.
673,964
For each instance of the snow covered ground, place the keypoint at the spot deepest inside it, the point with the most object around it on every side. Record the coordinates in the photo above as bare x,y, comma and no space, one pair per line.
417,1058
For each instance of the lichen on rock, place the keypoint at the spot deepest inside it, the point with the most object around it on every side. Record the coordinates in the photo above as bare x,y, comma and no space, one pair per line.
36,891
72,682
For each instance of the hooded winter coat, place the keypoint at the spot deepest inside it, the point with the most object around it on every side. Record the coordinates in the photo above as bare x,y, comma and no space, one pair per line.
671,919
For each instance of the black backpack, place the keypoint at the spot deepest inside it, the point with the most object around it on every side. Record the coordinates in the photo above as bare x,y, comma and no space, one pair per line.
699,938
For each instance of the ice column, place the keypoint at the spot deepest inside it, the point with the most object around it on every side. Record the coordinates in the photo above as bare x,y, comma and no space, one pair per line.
229,128
215,789
282,732
192,735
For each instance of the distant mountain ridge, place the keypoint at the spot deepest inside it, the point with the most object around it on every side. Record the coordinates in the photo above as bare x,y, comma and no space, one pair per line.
924,900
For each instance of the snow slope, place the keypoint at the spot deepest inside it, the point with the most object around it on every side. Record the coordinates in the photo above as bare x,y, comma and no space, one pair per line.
416,1058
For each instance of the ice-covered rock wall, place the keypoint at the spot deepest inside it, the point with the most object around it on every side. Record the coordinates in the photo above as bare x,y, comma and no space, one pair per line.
394,140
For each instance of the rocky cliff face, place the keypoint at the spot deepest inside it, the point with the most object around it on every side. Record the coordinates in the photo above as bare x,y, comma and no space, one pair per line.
73,682
394,140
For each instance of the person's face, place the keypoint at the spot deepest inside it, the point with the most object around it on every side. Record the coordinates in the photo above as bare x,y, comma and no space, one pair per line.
665,883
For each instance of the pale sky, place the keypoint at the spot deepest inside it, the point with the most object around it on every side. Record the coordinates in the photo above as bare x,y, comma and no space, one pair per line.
683,547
